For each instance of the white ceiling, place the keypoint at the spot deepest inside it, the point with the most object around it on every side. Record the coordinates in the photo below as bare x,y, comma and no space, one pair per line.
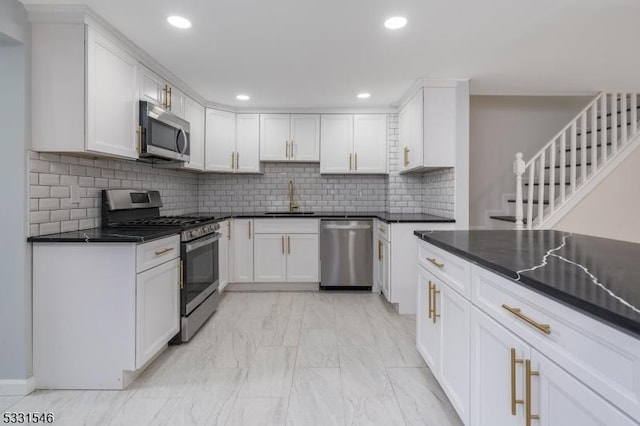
321,53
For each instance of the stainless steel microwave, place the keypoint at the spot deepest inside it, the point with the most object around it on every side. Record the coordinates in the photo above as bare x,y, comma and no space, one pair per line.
163,135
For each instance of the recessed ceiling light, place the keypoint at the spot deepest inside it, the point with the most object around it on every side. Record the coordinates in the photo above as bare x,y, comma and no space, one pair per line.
179,22
364,95
395,22
243,97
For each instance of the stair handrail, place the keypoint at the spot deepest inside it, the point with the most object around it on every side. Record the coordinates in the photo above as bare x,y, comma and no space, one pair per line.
568,184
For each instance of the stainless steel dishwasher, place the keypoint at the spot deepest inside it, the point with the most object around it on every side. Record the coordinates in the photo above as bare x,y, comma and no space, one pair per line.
346,254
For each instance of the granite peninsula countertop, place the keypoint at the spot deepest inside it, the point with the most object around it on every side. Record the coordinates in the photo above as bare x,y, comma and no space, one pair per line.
598,276
384,216
108,235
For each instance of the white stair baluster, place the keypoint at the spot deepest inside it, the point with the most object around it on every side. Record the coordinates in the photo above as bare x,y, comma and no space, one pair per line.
594,138
563,167
573,158
552,177
615,109
623,120
634,113
603,130
540,216
583,147
530,195
518,169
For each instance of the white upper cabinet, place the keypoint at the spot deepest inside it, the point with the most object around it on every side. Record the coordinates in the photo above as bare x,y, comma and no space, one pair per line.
194,114
353,143
370,143
247,143
220,141
84,92
290,137
232,142
158,91
431,124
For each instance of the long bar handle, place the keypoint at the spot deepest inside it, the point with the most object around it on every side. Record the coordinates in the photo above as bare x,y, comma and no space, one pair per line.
435,262
249,229
237,160
287,149
514,400
545,328
163,251
350,162
233,157
356,161
181,269
429,293
283,244
435,292
288,244
406,156
228,230
529,373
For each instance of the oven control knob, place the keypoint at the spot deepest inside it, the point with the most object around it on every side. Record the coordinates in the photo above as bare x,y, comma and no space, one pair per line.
194,233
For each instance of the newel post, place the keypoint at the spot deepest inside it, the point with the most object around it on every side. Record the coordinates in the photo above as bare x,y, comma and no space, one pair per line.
518,169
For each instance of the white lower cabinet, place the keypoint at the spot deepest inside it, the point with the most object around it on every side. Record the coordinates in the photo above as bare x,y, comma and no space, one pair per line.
129,310
286,250
223,254
498,368
157,309
443,338
242,250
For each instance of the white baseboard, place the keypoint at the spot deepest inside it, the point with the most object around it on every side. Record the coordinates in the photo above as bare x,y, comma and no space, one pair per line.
271,287
17,387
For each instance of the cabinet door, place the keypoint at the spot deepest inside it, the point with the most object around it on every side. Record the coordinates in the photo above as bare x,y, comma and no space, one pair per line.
194,114
305,137
370,143
248,143
151,86
242,240
428,331
220,141
404,137
336,143
270,263
416,136
176,102
439,133
303,258
455,317
492,386
112,98
157,309
223,255
560,399
274,137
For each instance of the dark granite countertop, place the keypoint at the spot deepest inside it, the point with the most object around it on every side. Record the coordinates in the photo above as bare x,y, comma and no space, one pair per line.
598,276
108,235
384,216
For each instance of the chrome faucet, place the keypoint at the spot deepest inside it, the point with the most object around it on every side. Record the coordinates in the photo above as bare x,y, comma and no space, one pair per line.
292,205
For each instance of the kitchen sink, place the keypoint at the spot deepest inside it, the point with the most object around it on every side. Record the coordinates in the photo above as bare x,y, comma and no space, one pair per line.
297,213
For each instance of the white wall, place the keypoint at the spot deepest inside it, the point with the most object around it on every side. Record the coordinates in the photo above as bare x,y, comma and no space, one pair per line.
501,126
15,287
611,209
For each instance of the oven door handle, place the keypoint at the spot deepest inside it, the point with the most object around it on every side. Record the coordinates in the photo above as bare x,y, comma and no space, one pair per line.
204,242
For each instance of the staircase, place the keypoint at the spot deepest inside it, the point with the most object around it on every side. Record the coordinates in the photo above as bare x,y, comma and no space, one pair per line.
585,151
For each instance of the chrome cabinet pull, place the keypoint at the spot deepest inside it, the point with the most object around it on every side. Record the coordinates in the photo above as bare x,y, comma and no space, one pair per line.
288,244
514,400
233,156
435,262
237,160
350,162
356,161
283,244
249,230
228,230
545,328
286,155
529,373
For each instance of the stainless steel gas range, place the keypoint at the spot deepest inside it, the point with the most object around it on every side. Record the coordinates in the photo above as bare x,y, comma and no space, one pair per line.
199,296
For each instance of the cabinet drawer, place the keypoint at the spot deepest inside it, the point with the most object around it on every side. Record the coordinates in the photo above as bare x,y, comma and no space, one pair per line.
600,356
156,252
452,269
286,226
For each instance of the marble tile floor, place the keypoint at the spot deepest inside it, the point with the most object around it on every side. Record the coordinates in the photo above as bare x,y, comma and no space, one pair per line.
274,358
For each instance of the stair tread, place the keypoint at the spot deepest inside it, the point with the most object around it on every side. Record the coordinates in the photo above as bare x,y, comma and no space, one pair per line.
579,148
534,201
568,166
547,183
508,218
